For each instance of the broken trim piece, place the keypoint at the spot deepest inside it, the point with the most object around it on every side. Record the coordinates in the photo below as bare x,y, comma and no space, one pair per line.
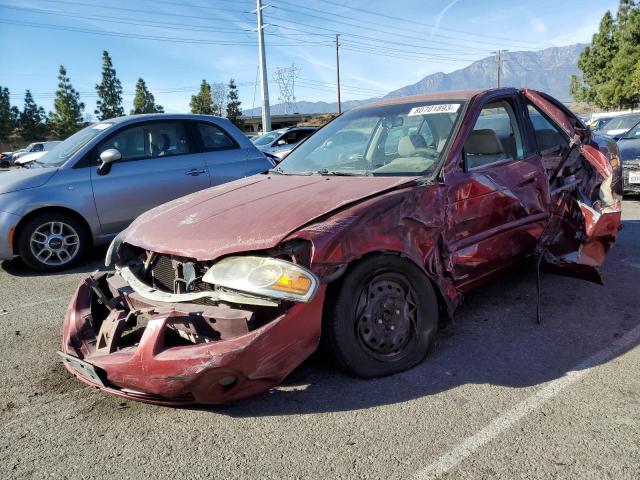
156,295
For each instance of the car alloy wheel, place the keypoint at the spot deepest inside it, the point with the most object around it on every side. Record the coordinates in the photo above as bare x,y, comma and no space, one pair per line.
54,243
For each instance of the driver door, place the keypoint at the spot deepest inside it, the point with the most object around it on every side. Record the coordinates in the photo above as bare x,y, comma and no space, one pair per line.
497,201
157,166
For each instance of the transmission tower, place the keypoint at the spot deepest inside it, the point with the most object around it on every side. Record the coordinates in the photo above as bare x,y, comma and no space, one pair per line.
286,78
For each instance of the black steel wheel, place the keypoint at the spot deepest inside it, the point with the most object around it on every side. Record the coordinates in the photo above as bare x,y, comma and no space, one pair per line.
384,319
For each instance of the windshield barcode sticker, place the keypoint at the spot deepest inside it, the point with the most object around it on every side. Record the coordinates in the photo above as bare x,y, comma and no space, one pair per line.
102,126
431,109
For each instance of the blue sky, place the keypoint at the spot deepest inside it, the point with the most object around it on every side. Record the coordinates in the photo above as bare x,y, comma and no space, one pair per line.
173,44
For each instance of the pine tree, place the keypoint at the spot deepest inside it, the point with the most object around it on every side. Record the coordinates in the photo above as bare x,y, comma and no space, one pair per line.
32,122
610,63
109,104
622,87
144,101
6,118
67,117
202,103
234,112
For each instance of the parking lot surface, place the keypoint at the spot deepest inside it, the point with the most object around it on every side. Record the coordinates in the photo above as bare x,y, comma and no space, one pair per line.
499,397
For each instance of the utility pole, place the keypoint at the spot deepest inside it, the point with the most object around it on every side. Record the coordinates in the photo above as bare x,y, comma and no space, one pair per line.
338,72
498,55
264,85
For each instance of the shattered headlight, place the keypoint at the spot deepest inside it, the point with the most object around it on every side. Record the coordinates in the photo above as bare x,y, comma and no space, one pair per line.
113,252
264,276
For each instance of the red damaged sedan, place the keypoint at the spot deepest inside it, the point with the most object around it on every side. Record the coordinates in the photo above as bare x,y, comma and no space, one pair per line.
367,235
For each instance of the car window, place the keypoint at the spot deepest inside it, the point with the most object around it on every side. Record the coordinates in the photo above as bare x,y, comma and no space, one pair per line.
214,138
294,137
383,140
409,127
622,122
495,137
548,135
150,140
38,147
634,132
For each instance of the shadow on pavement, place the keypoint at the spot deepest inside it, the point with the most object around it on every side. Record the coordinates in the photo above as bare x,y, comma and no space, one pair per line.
495,340
93,262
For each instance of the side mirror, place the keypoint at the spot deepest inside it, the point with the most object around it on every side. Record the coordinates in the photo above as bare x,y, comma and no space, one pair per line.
107,158
280,142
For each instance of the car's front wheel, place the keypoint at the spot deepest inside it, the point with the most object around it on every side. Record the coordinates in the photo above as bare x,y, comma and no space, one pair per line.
52,242
384,318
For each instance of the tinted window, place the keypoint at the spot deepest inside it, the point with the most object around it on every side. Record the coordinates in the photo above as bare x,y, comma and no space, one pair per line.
150,140
548,136
214,138
295,136
495,137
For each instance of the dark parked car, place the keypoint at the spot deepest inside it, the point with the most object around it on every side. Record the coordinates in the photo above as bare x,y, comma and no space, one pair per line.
618,126
221,294
629,148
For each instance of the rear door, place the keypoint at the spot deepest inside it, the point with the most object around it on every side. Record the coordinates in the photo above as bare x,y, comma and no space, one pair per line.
225,158
497,201
585,190
158,165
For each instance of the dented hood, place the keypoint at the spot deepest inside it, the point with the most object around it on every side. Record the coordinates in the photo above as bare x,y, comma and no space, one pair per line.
250,214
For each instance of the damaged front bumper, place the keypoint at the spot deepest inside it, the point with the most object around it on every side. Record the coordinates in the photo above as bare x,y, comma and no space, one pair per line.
183,353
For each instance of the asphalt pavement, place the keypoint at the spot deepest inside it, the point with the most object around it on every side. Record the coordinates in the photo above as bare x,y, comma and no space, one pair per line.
500,396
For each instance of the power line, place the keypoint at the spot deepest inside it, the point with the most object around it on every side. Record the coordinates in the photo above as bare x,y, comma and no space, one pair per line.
145,37
385,25
134,10
385,16
394,42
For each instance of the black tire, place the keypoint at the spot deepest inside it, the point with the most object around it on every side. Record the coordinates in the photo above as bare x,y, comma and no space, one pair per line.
28,254
399,295
4,164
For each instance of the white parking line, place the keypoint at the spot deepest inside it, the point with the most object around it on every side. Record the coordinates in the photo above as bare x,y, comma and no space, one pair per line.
509,418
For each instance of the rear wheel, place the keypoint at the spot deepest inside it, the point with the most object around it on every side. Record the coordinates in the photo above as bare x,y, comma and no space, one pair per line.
385,317
52,242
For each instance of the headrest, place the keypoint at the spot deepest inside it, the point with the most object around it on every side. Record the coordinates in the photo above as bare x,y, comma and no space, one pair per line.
483,142
408,145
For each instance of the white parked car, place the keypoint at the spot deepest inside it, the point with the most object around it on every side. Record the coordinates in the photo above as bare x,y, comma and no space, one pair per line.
33,148
28,158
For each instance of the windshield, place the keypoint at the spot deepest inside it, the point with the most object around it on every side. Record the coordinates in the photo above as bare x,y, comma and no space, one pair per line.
405,139
267,138
634,132
64,150
623,122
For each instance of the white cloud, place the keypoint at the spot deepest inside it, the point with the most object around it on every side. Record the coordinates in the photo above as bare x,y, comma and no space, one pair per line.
538,25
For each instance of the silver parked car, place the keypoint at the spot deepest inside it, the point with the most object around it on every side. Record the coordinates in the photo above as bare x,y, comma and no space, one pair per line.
92,185
280,142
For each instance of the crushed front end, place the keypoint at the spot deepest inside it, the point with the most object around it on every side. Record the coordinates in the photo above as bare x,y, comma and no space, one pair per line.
154,331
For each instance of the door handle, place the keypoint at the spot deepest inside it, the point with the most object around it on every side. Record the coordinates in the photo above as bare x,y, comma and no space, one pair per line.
194,172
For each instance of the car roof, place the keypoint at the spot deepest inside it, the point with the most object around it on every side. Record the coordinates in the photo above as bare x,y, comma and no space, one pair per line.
162,116
454,95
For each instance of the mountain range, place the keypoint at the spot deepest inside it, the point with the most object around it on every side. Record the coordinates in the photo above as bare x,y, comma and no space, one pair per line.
548,70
